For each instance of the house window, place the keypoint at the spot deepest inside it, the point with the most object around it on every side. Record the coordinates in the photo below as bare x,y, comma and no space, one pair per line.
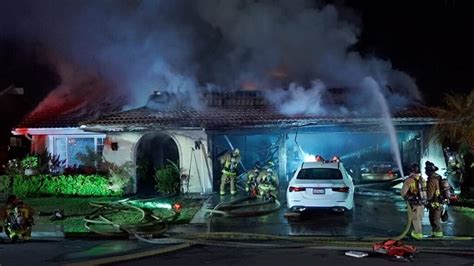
100,145
60,148
76,146
68,147
15,142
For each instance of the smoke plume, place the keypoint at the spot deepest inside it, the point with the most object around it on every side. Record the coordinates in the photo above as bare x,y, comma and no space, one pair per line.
116,51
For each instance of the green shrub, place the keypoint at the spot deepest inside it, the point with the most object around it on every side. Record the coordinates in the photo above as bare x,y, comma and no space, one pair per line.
13,168
167,179
89,158
119,175
5,184
27,186
63,185
30,161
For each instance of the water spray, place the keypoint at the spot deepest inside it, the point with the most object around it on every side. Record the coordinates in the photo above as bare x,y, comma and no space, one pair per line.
307,157
387,119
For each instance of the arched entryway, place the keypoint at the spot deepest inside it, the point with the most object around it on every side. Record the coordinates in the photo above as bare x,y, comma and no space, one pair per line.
154,151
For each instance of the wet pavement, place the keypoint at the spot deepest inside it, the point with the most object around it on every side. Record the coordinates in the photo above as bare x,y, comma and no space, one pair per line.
376,214
42,252
212,255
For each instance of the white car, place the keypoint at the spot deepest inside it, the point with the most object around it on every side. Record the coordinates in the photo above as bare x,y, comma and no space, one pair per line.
320,185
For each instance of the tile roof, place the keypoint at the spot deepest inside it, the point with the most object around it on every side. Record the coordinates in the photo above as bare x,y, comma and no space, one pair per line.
229,117
223,110
51,118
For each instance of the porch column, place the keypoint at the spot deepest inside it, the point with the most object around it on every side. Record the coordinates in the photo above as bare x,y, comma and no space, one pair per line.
282,161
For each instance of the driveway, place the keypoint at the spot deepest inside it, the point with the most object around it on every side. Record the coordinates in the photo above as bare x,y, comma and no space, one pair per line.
380,213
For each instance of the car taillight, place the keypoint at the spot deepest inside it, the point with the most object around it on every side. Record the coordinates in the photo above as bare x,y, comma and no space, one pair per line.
297,189
341,189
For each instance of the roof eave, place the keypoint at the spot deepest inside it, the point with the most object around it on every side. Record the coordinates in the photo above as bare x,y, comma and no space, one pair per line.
48,131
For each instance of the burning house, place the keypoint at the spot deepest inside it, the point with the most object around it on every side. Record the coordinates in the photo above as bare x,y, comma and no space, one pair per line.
167,129
286,56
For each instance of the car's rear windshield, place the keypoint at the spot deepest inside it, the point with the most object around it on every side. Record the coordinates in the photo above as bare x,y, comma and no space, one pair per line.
320,174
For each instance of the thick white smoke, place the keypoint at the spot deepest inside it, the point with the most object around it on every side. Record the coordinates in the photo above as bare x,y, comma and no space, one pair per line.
292,50
135,47
307,41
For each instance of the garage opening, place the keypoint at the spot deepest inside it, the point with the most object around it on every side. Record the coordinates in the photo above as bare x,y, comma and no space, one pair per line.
155,150
365,152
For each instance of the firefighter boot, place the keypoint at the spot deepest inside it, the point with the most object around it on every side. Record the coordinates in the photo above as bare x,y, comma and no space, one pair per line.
417,236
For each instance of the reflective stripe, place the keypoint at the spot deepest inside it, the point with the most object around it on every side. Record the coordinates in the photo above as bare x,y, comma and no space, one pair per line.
228,172
413,188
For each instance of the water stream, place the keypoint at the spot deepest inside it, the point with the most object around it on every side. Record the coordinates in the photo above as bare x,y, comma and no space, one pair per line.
386,118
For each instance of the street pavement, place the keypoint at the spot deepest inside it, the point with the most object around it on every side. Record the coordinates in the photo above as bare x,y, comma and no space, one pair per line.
211,255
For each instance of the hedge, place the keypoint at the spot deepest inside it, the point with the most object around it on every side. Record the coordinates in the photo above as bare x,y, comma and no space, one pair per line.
62,185
4,184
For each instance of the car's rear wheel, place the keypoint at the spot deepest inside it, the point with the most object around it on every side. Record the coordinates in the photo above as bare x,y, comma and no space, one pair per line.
349,214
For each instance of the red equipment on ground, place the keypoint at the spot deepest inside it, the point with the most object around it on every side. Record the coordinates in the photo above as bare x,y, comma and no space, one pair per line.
394,248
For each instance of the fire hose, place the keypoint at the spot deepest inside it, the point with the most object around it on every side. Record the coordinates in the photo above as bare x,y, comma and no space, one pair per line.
153,225
232,239
148,223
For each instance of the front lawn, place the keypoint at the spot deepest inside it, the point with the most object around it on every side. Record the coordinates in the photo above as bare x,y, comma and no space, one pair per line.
75,209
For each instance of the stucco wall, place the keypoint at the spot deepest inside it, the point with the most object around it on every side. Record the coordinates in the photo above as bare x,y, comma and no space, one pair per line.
192,158
433,152
40,144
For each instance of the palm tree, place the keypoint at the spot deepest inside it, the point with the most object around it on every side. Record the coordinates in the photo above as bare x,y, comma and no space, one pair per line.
456,128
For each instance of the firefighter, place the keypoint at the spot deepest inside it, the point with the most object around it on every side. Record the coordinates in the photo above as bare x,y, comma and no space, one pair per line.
414,192
19,218
252,176
230,162
268,184
435,203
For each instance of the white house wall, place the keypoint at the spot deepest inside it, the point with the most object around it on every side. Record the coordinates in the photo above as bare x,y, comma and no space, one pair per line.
433,152
200,177
200,180
126,143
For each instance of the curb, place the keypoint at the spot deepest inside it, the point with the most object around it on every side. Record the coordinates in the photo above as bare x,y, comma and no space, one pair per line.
132,256
47,234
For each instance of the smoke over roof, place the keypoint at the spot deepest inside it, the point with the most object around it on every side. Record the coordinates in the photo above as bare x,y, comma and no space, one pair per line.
121,51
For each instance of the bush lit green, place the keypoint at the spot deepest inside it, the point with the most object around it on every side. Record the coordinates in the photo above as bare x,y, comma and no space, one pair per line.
167,179
62,185
4,184
30,161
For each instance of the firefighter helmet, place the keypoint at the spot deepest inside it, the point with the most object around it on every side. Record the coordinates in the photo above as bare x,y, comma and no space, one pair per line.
236,152
430,167
415,168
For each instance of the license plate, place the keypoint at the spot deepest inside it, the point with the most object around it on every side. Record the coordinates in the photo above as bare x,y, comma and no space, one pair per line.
318,190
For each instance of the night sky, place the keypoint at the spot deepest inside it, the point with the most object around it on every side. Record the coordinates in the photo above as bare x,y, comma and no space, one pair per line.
431,40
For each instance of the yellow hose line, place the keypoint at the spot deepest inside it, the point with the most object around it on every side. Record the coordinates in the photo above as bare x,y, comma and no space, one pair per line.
408,225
